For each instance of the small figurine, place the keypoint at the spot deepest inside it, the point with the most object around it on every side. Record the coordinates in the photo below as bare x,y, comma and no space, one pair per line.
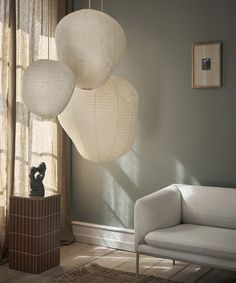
36,179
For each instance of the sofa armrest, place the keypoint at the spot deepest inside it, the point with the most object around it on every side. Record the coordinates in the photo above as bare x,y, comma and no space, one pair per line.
158,210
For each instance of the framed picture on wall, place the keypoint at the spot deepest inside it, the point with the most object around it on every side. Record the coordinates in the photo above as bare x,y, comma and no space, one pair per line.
206,64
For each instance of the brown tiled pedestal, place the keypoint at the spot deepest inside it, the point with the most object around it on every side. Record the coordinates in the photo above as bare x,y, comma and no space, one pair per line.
34,233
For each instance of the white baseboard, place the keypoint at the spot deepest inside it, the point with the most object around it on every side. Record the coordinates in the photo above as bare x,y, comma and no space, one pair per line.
112,237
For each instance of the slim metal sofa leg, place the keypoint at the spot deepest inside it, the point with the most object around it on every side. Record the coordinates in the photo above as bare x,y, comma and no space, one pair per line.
173,262
137,267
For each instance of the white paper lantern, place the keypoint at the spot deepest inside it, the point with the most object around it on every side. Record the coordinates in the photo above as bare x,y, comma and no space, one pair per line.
91,44
101,122
47,87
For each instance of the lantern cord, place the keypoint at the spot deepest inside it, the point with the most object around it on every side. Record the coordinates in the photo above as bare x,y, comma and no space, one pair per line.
89,4
102,5
48,27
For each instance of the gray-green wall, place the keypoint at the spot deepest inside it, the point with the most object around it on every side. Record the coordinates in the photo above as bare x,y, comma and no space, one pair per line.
184,135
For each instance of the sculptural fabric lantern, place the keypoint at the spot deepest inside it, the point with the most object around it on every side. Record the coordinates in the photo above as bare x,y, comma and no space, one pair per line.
47,87
101,122
91,44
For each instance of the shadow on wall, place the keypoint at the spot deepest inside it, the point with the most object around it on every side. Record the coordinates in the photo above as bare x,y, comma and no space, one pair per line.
108,194
121,188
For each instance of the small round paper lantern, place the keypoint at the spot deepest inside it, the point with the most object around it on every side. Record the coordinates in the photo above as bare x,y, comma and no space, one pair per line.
91,44
47,87
101,122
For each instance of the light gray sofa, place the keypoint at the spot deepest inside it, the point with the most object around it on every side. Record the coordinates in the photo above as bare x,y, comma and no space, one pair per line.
188,223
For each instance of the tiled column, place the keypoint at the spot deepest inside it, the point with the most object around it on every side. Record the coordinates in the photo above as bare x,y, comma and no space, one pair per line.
34,239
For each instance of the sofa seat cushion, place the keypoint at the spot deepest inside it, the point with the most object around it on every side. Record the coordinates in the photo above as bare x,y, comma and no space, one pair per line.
204,240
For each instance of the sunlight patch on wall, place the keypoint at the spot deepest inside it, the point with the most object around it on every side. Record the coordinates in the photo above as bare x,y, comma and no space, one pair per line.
117,199
182,175
129,163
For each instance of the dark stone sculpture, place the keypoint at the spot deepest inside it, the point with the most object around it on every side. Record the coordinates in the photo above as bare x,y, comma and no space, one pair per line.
36,179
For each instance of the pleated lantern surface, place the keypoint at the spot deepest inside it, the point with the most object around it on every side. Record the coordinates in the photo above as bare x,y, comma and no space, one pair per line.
91,44
47,87
101,122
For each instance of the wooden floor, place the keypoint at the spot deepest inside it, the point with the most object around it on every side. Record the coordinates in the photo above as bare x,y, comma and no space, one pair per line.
80,254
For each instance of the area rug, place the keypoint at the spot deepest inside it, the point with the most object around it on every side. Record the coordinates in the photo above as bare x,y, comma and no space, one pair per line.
97,274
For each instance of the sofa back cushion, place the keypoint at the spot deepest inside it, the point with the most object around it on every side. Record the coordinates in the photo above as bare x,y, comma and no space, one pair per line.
209,206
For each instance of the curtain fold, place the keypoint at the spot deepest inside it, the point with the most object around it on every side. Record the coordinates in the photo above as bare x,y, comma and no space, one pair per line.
7,115
65,7
26,29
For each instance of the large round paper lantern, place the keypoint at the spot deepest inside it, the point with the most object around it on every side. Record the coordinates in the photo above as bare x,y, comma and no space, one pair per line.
47,87
101,122
91,44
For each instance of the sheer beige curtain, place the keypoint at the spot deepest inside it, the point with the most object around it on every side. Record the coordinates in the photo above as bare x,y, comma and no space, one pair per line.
25,138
